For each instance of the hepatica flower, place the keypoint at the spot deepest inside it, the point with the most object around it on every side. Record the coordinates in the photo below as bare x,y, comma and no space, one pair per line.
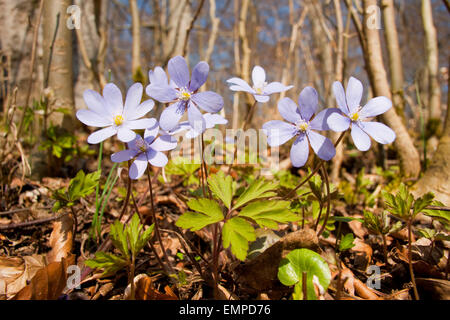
185,96
356,116
261,90
109,111
146,150
210,120
301,126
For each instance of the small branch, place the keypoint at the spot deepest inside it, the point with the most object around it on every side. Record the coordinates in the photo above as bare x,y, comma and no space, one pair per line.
32,223
188,31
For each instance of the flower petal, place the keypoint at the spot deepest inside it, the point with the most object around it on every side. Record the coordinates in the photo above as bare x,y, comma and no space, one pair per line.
380,132
113,98
151,132
91,118
240,85
360,138
258,75
375,107
300,151
162,94
278,132
261,98
354,94
141,110
196,119
164,143
133,99
156,158
138,166
320,120
124,155
101,135
141,123
124,134
213,119
199,76
321,145
289,110
171,116
96,103
275,87
179,71
339,94
308,102
337,122
208,101
158,77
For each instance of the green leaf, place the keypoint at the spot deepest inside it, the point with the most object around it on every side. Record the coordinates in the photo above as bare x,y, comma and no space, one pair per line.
268,213
222,187
347,219
291,269
83,185
346,242
206,212
427,233
237,232
109,262
133,231
423,202
257,190
119,238
144,238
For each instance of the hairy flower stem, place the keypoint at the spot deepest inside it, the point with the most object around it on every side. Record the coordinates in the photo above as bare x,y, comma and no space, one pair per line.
411,271
319,165
385,254
327,184
155,221
132,287
244,126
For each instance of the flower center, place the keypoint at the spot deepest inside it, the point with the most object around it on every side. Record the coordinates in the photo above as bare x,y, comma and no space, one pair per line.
184,94
118,120
141,145
355,116
259,87
302,125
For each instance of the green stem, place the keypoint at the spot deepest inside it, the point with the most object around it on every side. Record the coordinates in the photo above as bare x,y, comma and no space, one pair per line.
327,184
411,271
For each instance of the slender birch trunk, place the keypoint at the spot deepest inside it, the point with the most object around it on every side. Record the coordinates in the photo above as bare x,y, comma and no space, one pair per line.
136,69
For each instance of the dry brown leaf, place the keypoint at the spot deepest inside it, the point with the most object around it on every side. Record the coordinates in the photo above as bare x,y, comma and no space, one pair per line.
48,282
144,290
363,254
61,239
16,271
357,227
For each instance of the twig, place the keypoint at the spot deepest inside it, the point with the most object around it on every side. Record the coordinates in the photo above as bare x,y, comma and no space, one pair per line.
32,223
197,13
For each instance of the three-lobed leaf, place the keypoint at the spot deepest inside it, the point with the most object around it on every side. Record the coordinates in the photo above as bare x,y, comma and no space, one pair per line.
109,262
256,190
268,213
237,232
222,187
206,212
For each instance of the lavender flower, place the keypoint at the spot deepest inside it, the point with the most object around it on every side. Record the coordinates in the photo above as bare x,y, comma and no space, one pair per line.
210,120
146,150
354,114
261,90
185,96
279,132
108,111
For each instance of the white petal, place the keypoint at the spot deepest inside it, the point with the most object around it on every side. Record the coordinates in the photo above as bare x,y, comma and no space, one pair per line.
258,75
124,134
133,99
101,135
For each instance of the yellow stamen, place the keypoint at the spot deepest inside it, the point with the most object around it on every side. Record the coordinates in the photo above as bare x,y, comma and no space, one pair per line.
355,116
303,126
118,120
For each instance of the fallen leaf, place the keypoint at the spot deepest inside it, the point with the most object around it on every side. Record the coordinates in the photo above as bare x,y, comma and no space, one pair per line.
48,282
144,290
61,239
16,271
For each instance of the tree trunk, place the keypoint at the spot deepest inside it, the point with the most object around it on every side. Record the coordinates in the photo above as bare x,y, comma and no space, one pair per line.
58,68
395,58
437,177
408,155
136,69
